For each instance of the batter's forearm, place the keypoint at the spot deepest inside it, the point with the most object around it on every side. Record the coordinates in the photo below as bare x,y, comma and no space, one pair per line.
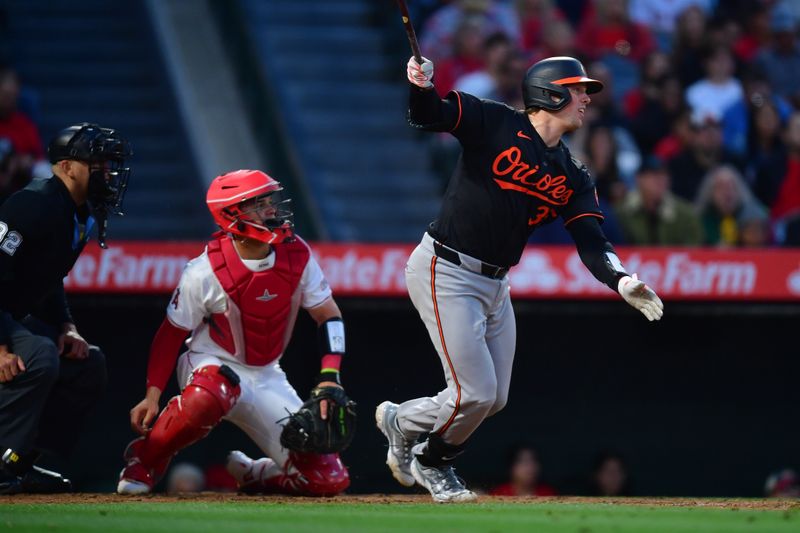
596,253
428,112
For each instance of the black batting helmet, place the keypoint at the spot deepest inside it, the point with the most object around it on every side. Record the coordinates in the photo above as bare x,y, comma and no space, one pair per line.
549,77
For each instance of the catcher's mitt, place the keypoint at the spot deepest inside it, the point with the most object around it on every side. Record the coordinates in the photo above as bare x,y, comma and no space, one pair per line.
306,431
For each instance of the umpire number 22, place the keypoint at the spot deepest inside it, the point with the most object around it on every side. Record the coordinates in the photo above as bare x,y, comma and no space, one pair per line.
9,240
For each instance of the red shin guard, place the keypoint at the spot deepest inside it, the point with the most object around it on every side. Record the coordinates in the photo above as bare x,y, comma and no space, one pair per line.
211,393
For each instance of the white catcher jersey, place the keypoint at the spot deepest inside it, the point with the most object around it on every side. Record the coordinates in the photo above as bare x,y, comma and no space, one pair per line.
199,294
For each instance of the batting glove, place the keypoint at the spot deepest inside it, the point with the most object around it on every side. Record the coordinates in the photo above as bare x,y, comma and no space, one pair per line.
420,75
641,297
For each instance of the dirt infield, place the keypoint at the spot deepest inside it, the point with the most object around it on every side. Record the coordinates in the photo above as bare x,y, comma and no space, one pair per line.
110,499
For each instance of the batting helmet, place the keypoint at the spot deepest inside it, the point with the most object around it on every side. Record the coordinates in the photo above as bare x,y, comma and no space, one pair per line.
549,77
249,203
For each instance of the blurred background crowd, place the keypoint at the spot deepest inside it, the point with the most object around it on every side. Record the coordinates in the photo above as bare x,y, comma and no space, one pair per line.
695,139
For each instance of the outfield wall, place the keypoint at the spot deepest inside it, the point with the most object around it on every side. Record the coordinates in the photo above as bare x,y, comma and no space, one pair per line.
703,403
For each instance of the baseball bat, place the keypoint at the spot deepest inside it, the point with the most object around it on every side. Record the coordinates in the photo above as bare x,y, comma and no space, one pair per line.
412,36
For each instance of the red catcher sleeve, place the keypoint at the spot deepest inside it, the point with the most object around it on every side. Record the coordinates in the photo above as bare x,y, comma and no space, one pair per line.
163,354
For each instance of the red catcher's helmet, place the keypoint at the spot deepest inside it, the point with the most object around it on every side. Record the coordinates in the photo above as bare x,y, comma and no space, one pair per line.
250,204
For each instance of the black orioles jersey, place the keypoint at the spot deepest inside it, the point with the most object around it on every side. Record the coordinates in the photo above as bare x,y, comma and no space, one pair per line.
507,182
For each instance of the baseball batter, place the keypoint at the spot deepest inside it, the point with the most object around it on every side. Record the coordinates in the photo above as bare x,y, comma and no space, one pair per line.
239,301
514,174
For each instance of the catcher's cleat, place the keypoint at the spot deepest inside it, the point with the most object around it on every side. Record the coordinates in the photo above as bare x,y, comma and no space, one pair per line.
442,483
249,473
136,478
399,456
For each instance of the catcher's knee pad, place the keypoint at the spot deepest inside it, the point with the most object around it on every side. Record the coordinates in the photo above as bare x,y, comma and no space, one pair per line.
322,474
211,393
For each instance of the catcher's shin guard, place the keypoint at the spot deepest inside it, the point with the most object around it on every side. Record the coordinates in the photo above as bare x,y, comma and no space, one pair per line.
211,393
319,474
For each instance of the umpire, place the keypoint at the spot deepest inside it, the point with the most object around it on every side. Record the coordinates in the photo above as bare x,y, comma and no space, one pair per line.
49,375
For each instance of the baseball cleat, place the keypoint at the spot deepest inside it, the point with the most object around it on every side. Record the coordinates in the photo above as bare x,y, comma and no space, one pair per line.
399,456
442,483
130,486
136,478
251,473
34,481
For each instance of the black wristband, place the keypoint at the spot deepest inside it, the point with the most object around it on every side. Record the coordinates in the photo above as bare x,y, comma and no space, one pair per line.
329,376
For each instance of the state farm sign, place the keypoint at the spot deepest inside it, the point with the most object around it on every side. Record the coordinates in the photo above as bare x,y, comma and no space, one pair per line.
544,272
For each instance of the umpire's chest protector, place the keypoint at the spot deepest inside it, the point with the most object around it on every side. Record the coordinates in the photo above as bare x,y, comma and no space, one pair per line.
262,306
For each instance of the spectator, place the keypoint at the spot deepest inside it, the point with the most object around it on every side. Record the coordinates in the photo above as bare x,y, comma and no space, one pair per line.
767,156
468,54
787,199
485,82
558,39
725,204
719,90
15,174
652,215
657,120
755,229
781,60
511,71
524,471
535,17
601,159
756,34
218,479
655,69
15,125
791,231
703,153
690,41
609,476
436,39
661,17
737,132
782,484
185,477
610,31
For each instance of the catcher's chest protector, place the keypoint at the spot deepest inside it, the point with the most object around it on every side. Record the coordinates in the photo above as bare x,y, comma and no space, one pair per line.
260,304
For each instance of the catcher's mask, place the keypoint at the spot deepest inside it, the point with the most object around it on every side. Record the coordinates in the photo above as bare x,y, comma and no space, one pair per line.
546,83
105,153
249,203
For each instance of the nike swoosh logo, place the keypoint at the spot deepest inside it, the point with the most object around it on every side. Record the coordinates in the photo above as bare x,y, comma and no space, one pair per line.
522,135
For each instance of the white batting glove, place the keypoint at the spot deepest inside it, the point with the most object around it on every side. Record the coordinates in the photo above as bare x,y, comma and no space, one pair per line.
420,75
641,297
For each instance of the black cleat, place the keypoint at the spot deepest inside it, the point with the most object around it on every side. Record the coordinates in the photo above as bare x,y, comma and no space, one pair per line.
41,481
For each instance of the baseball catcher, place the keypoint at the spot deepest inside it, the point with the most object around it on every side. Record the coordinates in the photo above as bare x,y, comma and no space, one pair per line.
239,301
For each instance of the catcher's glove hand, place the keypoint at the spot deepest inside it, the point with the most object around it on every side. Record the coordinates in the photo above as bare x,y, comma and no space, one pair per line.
306,431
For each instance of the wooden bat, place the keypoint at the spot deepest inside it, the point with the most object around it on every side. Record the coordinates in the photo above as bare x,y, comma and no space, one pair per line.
412,36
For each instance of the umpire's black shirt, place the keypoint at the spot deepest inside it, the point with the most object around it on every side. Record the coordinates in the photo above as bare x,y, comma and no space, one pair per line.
507,181
42,233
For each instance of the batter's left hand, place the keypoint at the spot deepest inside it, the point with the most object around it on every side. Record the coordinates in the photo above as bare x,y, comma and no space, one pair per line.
71,345
323,405
641,297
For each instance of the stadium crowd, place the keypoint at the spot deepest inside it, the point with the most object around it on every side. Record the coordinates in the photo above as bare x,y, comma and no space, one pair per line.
696,139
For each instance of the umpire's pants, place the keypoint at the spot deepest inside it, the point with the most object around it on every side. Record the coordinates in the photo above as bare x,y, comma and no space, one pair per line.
43,408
